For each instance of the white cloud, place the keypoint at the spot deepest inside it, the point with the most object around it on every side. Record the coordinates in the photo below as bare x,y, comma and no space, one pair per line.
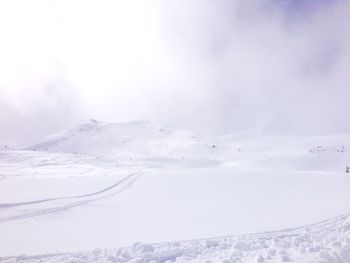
220,66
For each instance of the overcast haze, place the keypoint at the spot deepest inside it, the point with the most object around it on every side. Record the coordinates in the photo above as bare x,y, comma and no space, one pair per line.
210,66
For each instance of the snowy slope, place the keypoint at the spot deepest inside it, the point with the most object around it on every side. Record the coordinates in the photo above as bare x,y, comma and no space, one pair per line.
111,185
286,152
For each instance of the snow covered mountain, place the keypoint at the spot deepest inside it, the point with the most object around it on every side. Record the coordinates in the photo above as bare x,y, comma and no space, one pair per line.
157,144
132,139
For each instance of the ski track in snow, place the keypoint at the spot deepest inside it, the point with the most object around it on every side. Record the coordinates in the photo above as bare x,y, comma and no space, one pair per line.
9,205
108,192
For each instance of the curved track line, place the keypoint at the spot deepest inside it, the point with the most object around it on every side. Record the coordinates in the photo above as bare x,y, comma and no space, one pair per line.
319,224
129,180
9,205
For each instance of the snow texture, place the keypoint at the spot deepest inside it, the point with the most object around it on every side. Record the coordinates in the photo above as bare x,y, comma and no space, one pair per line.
327,241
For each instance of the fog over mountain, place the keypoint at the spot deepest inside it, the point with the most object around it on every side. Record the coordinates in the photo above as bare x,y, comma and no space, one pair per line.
174,131
209,66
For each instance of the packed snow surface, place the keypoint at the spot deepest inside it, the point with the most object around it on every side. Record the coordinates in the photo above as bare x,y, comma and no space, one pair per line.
139,190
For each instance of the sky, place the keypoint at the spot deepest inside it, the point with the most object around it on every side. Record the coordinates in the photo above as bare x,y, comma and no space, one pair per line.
265,66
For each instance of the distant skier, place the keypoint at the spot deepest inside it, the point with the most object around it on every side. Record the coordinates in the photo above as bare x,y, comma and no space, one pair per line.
347,169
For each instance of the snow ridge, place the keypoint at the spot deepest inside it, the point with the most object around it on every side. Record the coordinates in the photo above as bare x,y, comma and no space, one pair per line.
324,242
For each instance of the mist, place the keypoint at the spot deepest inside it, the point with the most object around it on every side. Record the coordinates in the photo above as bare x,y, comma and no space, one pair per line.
210,66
